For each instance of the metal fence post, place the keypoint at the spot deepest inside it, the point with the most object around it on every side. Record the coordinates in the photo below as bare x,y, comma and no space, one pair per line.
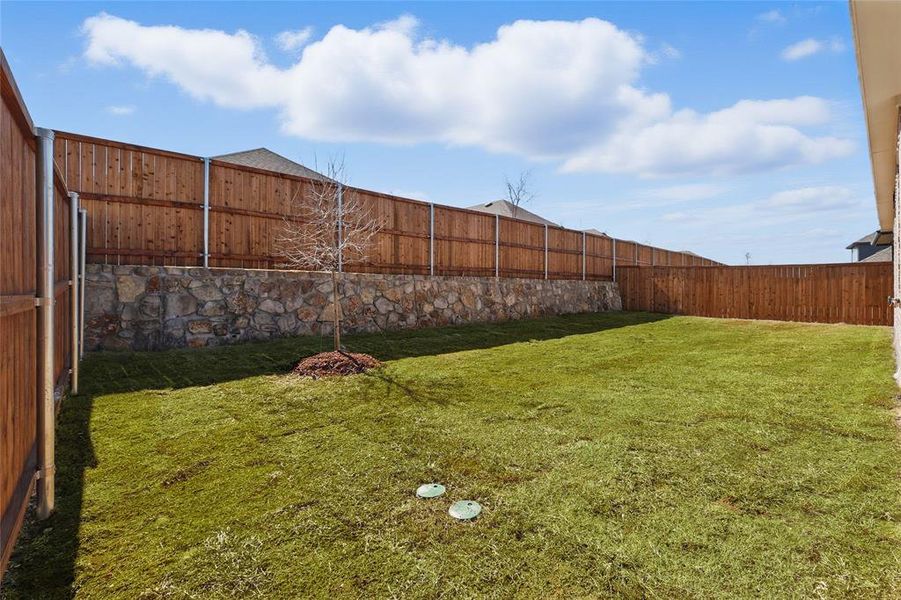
431,239
583,256
497,246
545,251
83,250
614,259
45,337
74,261
206,212
340,226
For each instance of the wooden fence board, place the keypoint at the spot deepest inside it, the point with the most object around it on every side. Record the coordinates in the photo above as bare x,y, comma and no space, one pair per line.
840,293
521,249
564,253
19,435
18,335
402,242
464,242
599,257
145,206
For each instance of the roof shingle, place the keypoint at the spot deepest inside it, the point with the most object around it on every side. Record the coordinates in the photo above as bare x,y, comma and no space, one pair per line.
505,208
263,158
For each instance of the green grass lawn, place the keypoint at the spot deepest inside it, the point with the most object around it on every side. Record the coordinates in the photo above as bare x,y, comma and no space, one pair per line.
618,454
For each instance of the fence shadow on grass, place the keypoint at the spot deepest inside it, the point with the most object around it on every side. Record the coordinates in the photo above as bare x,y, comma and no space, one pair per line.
43,563
115,372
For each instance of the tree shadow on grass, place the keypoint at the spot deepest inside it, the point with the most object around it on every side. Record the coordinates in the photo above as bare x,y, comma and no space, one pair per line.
116,372
44,562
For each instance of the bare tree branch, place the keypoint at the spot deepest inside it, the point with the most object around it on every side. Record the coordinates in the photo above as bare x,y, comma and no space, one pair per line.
519,191
328,226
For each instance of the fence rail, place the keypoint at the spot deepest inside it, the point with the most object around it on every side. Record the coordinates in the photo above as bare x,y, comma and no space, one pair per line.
837,293
147,206
38,310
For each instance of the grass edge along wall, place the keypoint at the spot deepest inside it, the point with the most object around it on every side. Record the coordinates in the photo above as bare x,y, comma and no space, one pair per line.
156,207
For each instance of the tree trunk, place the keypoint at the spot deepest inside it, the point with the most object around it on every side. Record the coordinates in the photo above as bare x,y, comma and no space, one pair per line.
337,310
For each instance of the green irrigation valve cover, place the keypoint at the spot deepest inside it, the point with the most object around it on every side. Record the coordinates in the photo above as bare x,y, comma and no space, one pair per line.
430,490
465,510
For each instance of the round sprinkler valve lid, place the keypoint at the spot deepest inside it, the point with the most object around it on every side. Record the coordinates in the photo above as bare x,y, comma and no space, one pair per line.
430,490
465,510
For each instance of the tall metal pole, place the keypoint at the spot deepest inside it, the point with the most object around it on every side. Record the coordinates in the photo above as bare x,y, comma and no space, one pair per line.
545,251
583,256
206,212
497,246
614,259
83,241
340,226
74,261
45,402
431,239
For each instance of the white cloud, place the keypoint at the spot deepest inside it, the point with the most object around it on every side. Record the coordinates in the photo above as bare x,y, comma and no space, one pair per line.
809,200
780,208
651,198
774,17
811,46
547,90
795,225
666,52
670,52
229,69
687,192
748,136
290,41
120,110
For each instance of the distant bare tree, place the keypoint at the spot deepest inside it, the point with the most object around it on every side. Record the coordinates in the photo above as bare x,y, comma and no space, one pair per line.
747,258
519,191
328,227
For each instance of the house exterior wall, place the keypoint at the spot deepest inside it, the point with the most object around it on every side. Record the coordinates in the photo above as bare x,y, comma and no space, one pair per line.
154,308
896,259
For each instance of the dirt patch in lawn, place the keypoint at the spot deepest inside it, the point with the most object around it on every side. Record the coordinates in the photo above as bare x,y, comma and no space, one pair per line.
327,364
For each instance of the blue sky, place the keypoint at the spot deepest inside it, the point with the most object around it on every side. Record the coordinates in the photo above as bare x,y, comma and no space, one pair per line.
723,128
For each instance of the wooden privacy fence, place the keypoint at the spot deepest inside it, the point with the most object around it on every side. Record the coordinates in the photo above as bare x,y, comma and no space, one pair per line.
155,207
39,309
838,293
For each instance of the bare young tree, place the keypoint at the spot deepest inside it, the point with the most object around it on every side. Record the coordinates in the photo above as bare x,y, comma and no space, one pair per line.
519,191
328,227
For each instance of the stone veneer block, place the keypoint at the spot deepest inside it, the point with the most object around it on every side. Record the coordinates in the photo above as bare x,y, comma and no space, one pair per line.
154,308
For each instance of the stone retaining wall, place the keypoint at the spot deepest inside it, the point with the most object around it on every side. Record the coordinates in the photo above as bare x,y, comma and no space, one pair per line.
151,308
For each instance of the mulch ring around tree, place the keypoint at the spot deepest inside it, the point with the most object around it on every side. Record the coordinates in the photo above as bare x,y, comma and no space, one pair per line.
327,364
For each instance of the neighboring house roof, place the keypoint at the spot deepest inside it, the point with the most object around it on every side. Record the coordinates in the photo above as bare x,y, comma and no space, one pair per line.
263,158
884,255
877,238
596,232
507,209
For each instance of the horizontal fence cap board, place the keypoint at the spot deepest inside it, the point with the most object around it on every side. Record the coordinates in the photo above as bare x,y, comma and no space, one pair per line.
78,137
13,98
